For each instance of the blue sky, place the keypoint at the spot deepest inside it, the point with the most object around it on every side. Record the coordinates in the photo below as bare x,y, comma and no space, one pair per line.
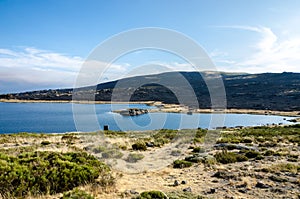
43,43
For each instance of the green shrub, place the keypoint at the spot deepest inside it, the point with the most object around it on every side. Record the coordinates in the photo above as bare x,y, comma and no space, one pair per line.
246,140
251,154
272,153
209,160
139,146
179,164
114,133
47,172
152,195
69,138
229,139
77,194
200,134
198,150
164,136
225,157
259,157
160,142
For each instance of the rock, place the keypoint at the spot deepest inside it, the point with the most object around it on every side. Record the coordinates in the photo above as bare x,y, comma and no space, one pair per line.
242,190
176,183
212,191
262,185
134,192
183,182
188,189
193,158
149,144
241,185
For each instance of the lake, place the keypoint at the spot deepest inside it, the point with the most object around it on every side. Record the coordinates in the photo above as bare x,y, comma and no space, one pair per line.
58,118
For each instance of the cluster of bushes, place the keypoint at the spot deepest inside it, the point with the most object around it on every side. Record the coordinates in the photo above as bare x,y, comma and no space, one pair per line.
164,136
172,195
115,133
48,172
107,152
152,194
263,134
179,164
200,134
139,146
226,157
69,138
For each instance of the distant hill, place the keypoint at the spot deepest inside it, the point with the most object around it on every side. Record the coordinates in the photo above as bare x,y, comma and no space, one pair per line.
266,91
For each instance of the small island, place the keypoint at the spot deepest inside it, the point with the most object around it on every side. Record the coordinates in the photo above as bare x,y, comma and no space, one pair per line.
132,112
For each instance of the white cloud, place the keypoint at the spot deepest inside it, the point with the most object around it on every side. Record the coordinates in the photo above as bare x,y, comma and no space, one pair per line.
31,68
271,54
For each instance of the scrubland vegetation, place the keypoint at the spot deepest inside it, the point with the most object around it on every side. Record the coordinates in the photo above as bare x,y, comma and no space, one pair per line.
245,161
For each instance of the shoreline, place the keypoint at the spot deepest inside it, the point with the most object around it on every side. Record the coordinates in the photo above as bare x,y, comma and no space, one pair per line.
169,108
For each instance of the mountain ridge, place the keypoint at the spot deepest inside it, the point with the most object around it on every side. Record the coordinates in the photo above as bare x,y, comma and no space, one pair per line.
264,91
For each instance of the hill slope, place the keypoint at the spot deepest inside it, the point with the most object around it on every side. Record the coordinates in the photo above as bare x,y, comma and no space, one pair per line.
270,91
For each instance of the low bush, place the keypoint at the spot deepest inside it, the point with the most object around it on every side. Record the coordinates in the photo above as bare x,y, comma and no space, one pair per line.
252,154
47,172
200,134
164,136
198,150
152,195
209,160
69,138
272,153
179,164
139,146
225,157
114,133
246,140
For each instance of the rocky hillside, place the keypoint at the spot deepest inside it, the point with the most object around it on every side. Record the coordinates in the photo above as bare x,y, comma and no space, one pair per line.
267,91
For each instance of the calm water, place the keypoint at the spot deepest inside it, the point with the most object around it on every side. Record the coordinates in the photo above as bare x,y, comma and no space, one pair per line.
58,118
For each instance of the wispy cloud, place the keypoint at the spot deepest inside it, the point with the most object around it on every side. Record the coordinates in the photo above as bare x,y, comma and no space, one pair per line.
31,68
271,53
